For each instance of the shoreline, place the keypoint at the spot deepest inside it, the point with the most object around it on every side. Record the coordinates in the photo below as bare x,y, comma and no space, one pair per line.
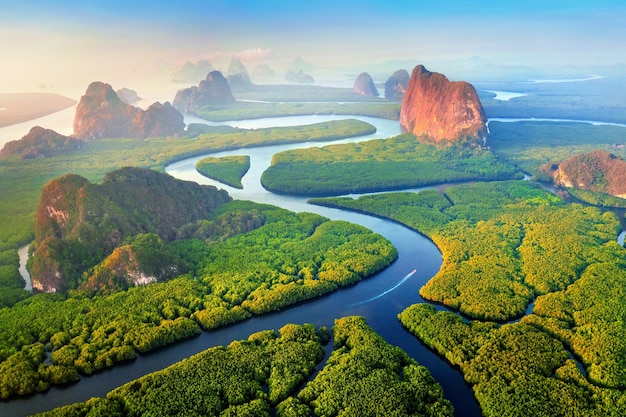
22,107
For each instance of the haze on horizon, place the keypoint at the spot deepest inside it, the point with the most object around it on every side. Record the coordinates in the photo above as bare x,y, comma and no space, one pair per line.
64,46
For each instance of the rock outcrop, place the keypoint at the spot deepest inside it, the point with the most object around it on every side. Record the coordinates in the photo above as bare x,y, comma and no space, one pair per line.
146,259
439,111
101,114
238,77
78,224
214,90
192,72
41,143
364,85
396,85
298,77
597,171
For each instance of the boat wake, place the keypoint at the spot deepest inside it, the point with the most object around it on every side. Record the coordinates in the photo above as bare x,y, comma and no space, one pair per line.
407,276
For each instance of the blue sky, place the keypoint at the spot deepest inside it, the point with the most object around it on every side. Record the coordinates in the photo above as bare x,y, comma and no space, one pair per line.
52,38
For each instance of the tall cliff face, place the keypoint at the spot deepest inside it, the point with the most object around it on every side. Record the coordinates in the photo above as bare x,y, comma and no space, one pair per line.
79,223
597,171
396,85
212,90
101,114
364,85
439,111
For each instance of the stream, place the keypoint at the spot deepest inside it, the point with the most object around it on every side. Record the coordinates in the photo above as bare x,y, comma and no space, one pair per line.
379,298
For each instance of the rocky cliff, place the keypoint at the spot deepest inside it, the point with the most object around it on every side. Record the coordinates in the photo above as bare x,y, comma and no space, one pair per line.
214,90
238,76
101,114
439,111
597,171
396,85
78,224
364,85
192,72
41,143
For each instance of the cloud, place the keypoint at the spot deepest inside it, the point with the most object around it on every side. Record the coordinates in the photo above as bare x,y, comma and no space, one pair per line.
256,54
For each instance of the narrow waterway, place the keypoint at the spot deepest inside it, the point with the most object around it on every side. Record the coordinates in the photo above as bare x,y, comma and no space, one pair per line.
379,298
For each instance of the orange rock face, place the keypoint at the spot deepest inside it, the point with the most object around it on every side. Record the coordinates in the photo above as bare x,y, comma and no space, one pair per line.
101,114
437,110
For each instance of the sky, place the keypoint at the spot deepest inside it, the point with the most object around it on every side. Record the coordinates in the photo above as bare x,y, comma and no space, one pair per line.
63,45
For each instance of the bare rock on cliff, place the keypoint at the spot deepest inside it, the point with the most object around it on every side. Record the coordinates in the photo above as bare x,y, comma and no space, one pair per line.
364,85
101,114
41,143
214,90
396,85
597,171
439,111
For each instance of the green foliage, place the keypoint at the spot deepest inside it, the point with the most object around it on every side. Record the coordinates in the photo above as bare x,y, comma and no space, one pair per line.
503,243
263,258
597,198
89,221
515,369
23,180
243,379
400,162
529,145
228,170
365,376
246,110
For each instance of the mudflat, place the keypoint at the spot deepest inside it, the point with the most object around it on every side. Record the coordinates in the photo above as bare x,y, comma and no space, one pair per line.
21,107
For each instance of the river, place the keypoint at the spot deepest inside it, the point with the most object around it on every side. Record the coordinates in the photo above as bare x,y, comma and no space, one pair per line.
379,298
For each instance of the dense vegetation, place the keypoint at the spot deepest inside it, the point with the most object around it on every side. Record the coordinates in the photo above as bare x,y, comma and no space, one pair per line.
303,93
23,180
529,144
504,244
79,223
228,170
597,198
249,259
247,110
364,376
597,99
388,164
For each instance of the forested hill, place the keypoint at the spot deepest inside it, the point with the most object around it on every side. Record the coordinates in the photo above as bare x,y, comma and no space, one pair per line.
597,171
79,223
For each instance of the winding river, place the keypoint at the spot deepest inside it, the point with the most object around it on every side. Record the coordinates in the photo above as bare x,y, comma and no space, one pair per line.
379,298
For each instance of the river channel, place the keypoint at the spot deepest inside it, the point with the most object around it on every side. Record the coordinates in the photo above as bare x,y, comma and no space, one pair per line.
379,298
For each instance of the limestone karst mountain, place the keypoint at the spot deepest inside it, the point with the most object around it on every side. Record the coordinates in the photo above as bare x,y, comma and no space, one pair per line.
214,89
102,114
597,171
364,85
396,85
439,111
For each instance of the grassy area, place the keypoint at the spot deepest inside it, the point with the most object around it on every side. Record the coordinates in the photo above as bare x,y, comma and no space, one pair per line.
246,110
228,170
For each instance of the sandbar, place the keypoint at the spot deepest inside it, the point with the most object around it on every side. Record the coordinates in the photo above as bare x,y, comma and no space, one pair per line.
21,107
